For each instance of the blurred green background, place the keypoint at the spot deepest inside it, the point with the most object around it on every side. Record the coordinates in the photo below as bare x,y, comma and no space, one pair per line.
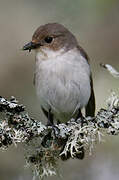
96,25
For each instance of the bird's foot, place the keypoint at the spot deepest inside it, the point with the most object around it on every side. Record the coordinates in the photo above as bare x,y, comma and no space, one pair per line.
82,121
55,129
50,136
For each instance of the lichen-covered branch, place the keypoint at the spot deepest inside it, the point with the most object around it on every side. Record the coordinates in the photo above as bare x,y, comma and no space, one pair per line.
110,69
43,145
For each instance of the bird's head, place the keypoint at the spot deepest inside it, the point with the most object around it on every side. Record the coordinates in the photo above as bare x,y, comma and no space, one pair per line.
52,36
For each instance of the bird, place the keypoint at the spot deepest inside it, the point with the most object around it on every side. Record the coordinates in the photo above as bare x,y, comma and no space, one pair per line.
62,77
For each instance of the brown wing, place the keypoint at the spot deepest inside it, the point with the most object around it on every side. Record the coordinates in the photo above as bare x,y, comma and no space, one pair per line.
90,108
83,53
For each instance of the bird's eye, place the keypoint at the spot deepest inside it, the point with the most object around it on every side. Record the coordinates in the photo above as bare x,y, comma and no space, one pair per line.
48,39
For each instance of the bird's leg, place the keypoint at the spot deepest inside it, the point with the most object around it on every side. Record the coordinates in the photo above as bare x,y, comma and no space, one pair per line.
50,122
48,137
50,118
79,115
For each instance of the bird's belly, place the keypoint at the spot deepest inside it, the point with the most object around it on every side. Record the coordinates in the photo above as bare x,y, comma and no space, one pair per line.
57,96
62,92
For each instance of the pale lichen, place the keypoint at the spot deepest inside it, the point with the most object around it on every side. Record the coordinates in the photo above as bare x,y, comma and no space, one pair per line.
110,69
43,146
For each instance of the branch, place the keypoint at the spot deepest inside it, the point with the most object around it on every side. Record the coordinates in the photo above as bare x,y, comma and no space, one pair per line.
44,146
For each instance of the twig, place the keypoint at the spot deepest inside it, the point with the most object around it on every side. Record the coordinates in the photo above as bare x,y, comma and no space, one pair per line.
111,70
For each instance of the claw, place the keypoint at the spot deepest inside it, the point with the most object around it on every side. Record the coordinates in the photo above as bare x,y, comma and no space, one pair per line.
56,130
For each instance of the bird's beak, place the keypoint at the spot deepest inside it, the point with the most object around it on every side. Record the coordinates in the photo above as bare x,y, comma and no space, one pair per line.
31,45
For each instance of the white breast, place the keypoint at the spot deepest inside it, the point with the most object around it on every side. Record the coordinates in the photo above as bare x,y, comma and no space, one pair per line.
62,82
